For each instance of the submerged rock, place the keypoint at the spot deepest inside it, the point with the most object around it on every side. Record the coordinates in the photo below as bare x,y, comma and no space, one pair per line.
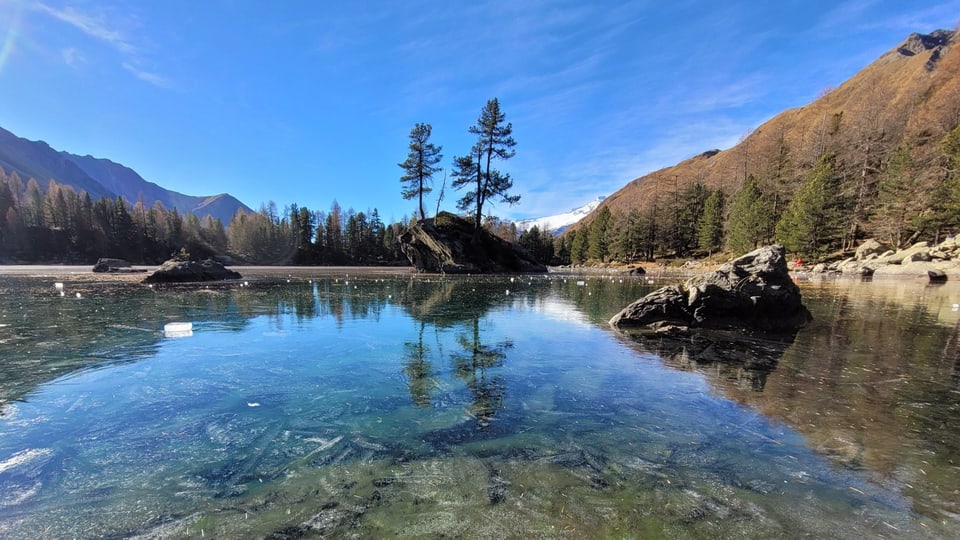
450,244
174,271
754,291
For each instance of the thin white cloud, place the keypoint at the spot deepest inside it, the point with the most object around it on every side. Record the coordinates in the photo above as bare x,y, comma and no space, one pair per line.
73,57
97,26
860,15
157,80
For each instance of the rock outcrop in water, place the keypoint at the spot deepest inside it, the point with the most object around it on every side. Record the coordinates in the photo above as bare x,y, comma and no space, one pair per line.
754,291
174,271
449,244
111,265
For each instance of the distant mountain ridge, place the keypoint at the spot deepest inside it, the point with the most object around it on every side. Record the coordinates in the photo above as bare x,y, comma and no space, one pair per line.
559,223
104,178
908,98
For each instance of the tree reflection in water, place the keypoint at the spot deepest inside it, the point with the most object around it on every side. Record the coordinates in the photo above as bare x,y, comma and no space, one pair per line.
418,370
487,389
448,304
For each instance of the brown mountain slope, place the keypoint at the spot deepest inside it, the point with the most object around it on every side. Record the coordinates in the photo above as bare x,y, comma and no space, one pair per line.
909,96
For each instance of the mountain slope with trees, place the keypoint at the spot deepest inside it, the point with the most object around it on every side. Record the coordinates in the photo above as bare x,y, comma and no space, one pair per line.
102,178
876,157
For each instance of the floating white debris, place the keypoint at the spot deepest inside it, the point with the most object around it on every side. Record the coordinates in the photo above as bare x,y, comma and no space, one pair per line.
62,293
581,283
252,404
178,329
78,295
508,292
246,284
58,286
511,280
956,307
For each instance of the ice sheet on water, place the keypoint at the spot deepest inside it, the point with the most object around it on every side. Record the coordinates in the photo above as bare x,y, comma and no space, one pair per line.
24,457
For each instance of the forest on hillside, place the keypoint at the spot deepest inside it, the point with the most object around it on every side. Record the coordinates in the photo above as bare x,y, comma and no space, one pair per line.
827,211
60,225
850,181
908,193
876,157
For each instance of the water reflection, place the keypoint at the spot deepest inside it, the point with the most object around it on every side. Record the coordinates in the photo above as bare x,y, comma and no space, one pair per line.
417,367
425,407
742,358
475,366
872,383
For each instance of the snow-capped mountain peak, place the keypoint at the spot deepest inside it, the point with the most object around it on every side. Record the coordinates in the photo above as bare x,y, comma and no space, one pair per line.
559,223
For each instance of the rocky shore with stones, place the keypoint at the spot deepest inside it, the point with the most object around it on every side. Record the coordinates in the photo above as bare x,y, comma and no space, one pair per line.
938,262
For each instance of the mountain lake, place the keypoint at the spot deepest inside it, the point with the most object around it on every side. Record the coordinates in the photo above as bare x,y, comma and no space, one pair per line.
306,402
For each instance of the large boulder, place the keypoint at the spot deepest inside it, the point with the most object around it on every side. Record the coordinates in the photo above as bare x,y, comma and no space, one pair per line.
450,244
174,271
868,248
754,291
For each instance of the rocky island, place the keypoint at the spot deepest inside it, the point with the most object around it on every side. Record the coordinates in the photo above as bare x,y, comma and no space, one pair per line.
177,271
450,244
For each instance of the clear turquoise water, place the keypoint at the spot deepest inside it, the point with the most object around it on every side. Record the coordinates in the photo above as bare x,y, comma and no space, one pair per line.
462,407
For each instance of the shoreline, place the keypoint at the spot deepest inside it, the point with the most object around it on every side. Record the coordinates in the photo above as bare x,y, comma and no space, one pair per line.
137,273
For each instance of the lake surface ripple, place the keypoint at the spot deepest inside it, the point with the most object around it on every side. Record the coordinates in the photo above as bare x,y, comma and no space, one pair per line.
303,405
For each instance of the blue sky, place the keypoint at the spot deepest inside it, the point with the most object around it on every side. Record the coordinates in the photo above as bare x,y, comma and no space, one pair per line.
307,102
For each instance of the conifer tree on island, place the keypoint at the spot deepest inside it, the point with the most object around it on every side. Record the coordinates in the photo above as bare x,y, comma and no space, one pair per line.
420,165
494,141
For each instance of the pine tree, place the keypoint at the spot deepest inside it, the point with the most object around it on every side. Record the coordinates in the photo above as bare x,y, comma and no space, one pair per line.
420,165
494,142
710,235
578,246
811,223
748,218
894,199
687,211
944,199
630,234
538,243
597,243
